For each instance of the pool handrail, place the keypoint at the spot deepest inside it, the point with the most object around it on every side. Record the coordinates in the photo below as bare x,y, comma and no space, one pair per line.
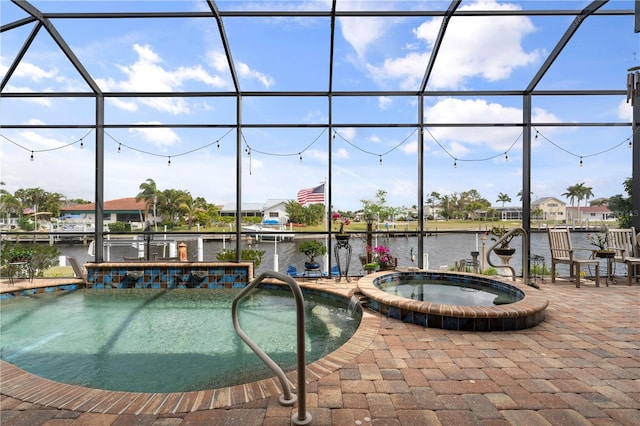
525,253
287,398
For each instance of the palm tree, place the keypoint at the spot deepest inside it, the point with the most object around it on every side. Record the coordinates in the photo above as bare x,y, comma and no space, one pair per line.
434,198
520,194
149,193
31,197
52,202
584,192
169,202
10,204
503,198
187,208
571,194
444,205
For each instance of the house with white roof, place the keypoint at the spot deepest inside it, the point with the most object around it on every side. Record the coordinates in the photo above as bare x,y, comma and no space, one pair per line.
272,211
590,214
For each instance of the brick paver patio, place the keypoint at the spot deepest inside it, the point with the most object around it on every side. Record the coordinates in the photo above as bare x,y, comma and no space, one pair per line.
580,366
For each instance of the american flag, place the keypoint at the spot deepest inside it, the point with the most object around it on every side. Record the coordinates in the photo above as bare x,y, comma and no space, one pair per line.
311,195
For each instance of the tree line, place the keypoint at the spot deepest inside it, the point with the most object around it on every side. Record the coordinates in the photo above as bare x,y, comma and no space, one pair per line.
179,207
176,206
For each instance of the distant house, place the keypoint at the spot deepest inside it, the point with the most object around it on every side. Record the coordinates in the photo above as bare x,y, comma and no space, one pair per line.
586,214
271,211
550,208
275,210
126,210
509,212
246,210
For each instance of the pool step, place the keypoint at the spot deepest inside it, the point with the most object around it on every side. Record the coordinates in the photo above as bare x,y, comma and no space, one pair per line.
361,298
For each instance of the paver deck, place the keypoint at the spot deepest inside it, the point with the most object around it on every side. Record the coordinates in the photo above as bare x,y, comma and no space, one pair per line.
580,366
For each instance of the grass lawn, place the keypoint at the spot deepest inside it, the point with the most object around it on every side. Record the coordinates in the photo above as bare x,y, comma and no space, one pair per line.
58,271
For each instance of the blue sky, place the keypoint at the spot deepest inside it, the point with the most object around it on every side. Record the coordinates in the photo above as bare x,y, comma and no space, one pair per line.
285,54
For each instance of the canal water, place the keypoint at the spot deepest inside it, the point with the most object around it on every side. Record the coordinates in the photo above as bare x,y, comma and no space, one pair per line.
442,250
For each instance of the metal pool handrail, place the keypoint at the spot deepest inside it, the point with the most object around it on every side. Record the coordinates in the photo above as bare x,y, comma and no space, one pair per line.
525,254
287,398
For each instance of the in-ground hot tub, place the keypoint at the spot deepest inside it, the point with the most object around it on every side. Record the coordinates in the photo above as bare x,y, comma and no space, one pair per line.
527,311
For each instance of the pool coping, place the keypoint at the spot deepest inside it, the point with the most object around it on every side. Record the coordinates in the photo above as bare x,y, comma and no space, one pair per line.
524,313
28,387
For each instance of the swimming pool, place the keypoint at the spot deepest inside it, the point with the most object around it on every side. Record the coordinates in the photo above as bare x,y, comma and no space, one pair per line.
175,340
527,311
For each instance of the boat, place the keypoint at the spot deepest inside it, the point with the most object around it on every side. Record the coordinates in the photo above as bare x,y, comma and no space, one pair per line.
269,232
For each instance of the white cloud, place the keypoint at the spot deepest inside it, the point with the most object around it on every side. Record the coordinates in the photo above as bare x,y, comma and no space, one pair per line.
452,110
362,32
148,75
625,111
410,147
218,60
124,105
374,139
384,102
471,110
487,47
457,149
542,116
341,154
34,73
347,133
157,136
315,154
37,142
34,100
35,122
245,71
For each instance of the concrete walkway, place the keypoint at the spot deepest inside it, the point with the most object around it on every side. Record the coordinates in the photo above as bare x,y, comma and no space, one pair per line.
580,366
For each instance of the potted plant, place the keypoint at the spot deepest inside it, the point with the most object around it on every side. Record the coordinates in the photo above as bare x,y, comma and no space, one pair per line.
312,249
382,256
504,249
371,267
337,219
600,242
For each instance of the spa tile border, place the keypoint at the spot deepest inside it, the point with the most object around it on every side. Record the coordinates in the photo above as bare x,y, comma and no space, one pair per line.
525,313
28,387
169,274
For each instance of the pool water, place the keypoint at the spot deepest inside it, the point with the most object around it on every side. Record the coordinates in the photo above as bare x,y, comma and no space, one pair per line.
163,340
449,293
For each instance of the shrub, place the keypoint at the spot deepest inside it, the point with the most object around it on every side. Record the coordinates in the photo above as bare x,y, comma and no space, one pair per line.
25,224
539,270
41,257
120,227
490,271
254,256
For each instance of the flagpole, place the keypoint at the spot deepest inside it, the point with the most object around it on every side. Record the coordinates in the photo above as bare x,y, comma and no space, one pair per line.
327,214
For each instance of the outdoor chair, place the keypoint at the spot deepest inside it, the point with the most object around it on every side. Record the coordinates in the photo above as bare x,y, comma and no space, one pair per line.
625,244
335,271
78,271
563,252
292,271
